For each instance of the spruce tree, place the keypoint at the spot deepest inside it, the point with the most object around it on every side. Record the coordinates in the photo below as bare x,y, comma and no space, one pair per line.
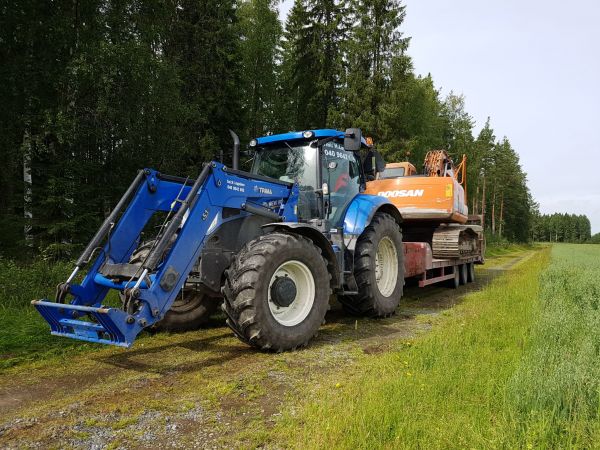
373,43
202,42
297,79
312,66
260,36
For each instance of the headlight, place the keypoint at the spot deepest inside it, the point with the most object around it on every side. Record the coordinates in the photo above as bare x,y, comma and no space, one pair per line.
308,134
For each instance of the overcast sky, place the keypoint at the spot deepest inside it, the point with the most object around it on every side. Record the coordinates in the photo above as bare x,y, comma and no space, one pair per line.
534,67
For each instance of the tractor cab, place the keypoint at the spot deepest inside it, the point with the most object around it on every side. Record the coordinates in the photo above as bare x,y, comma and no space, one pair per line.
324,163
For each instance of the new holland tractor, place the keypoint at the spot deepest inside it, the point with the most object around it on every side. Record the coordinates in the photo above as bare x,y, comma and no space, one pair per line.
271,245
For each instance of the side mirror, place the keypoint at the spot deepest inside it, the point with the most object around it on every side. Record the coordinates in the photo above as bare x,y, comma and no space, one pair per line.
352,139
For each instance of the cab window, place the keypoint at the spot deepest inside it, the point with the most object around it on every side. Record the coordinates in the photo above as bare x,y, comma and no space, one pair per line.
393,172
341,172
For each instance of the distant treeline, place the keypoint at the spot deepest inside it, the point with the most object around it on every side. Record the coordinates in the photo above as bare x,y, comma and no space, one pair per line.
92,91
561,228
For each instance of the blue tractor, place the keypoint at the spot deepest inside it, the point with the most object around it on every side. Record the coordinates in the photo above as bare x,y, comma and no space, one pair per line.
270,245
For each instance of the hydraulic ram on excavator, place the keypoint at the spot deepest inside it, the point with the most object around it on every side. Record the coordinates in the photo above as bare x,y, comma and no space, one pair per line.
149,289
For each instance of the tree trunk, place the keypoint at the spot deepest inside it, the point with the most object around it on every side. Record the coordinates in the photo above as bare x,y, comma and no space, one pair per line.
483,202
27,188
501,216
494,211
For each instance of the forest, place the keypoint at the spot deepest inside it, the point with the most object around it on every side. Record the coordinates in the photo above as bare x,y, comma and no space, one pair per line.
560,228
92,91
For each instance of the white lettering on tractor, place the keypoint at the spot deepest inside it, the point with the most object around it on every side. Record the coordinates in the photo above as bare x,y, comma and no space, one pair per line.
402,193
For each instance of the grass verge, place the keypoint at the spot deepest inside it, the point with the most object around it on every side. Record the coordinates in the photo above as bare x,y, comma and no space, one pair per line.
507,249
447,389
24,335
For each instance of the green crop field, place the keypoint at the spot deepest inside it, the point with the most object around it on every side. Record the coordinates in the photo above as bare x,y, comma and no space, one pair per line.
516,365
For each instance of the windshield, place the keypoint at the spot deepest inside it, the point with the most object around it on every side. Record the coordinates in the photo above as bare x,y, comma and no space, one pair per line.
393,172
298,162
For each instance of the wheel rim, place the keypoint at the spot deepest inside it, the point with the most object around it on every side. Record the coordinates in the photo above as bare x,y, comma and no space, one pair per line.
386,266
304,299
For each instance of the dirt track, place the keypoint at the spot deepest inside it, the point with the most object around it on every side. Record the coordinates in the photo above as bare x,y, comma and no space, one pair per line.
199,389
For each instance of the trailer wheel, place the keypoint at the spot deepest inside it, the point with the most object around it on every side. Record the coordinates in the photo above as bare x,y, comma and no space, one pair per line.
471,272
463,272
378,269
454,283
277,292
191,309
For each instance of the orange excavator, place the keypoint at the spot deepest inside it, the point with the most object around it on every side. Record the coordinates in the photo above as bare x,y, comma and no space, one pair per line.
433,205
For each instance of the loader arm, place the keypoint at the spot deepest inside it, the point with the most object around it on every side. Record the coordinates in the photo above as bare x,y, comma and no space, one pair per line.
150,289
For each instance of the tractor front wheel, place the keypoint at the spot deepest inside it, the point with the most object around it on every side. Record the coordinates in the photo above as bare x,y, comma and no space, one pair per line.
277,292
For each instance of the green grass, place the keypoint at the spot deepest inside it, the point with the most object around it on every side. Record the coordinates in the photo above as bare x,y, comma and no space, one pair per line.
555,393
24,335
513,366
507,249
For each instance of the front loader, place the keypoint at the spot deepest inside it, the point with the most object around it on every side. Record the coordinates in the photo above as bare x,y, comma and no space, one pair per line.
271,245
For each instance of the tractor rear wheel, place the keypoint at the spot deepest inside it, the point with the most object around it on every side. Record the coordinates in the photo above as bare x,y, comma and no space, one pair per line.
191,309
378,269
277,292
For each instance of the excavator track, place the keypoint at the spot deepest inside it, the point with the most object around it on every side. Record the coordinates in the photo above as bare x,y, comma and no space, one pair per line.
455,241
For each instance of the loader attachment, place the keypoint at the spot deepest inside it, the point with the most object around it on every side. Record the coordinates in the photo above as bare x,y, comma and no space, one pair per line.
106,325
147,290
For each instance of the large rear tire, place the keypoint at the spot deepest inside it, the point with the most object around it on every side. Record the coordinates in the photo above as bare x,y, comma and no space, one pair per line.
378,269
191,309
277,292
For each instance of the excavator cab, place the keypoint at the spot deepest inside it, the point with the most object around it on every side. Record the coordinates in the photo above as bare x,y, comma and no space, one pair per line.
394,170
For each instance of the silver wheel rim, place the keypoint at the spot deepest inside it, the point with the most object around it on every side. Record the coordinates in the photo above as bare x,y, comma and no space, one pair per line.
386,266
303,302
